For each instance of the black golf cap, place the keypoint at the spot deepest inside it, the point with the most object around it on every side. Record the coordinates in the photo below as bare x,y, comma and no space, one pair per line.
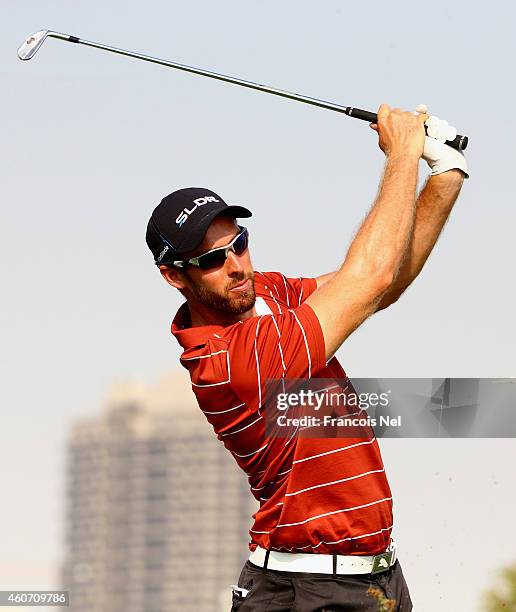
180,221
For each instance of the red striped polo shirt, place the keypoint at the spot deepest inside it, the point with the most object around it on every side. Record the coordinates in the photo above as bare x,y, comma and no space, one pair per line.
320,495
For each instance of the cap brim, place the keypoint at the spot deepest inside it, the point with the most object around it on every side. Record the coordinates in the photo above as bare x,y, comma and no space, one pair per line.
194,241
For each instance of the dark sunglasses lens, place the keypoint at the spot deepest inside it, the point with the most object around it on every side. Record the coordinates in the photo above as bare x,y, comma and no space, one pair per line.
217,258
212,260
241,243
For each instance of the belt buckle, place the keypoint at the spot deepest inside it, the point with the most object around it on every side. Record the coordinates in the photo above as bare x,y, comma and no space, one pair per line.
382,562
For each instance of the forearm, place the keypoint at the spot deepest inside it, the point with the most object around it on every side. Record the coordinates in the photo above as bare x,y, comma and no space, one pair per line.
433,208
382,222
381,242
374,258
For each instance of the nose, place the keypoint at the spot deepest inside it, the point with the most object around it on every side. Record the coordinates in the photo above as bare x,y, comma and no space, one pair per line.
233,263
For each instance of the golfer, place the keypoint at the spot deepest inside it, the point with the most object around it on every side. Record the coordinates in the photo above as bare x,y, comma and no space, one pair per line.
321,538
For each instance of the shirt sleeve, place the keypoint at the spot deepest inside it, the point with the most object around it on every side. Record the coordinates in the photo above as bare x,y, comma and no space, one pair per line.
288,345
298,289
293,291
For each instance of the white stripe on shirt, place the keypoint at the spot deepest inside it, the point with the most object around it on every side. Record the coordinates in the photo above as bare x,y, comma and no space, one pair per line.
317,516
327,484
335,450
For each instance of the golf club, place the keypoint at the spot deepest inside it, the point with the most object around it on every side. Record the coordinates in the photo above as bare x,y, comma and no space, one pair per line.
32,44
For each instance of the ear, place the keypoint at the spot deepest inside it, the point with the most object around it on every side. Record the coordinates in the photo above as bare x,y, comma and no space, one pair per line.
173,276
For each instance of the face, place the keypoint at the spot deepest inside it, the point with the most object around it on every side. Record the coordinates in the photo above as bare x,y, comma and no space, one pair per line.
228,289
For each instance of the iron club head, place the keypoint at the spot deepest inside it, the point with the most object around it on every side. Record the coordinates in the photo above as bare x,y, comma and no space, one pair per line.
31,44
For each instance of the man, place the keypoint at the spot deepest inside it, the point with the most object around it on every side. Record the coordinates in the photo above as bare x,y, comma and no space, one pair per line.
322,535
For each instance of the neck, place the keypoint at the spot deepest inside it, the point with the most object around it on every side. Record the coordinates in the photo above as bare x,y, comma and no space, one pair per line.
201,315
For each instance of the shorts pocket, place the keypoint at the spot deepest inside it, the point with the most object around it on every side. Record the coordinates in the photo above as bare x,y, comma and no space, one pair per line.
238,597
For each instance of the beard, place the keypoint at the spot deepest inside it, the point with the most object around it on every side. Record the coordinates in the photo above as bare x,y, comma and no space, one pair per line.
225,301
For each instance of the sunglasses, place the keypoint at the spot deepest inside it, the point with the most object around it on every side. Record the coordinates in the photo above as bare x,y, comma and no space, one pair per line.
216,257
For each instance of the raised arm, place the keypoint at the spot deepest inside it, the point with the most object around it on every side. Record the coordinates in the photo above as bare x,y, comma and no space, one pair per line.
449,168
375,256
433,208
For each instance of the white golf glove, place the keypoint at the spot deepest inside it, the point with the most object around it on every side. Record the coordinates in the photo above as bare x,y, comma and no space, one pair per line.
439,156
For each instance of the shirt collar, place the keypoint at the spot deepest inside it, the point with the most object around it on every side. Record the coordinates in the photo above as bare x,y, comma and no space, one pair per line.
188,337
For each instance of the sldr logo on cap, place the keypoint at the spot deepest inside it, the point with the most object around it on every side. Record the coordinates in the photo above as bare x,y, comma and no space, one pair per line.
185,213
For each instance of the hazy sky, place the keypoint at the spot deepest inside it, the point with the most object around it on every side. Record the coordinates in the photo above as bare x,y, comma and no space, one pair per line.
91,142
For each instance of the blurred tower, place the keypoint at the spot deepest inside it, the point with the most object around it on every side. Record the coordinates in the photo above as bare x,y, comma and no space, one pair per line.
157,509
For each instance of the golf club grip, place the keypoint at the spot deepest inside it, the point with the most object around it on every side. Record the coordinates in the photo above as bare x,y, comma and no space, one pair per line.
459,142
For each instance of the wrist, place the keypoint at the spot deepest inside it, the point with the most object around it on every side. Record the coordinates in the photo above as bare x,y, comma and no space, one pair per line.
403,158
450,178
453,175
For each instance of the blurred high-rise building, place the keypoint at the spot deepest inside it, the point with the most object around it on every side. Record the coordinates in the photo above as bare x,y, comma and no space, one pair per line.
157,510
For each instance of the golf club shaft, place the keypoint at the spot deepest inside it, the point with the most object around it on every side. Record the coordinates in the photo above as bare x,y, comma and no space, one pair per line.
460,142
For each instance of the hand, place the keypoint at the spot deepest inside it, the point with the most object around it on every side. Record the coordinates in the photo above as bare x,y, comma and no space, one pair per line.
400,132
439,156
